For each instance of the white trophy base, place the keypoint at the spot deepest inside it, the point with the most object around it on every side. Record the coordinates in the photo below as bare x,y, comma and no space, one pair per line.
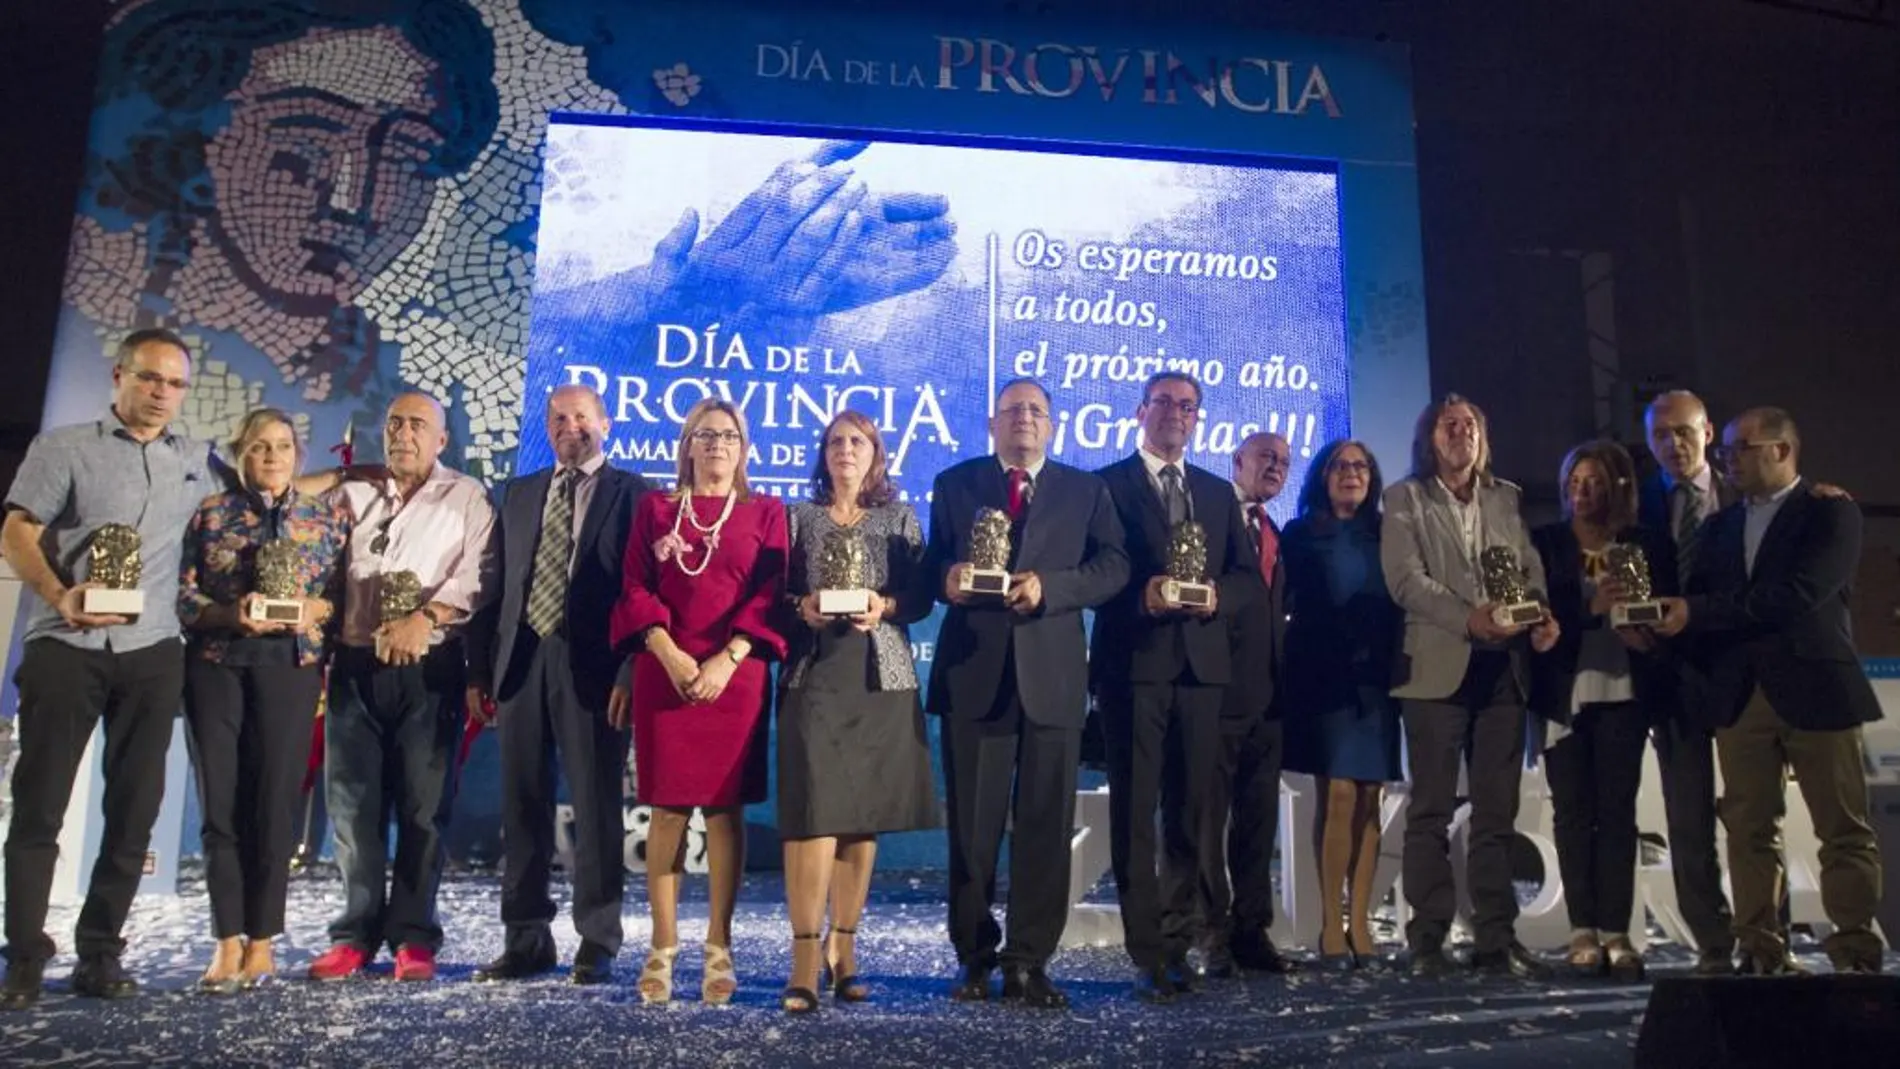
1518,614
844,602
1636,613
277,611
1179,595
984,581
101,601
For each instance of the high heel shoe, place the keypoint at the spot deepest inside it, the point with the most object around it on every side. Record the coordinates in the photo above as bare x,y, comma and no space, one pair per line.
224,976
794,999
844,988
718,983
1337,960
656,977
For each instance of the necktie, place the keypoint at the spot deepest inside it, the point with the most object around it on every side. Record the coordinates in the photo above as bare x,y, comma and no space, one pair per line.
1172,496
547,590
1267,538
1688,523
1019,492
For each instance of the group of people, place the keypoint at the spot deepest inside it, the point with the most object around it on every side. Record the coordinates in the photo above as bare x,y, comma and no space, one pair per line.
584,610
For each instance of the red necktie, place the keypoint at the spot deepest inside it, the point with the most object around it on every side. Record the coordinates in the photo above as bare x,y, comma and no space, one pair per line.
1269,542
1017,479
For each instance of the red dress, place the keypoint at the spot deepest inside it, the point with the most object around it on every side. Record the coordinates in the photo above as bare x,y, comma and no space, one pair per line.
714,754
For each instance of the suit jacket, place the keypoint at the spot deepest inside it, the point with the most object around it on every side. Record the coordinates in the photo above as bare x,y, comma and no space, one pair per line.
1652,503
1258,641
1070,538
1554,674
1786,628
1128,646
1433,581
591,591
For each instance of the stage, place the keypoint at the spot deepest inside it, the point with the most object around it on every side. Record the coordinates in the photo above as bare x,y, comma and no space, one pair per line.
1367,1018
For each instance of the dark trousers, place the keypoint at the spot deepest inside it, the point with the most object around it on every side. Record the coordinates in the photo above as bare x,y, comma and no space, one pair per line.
389,740
1482,724
982,759
543,714
1595,773
250,744
1241,822
64,693
1163,747
1685,754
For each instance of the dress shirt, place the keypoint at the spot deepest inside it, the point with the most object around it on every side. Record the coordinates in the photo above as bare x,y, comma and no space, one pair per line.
584,485
440,533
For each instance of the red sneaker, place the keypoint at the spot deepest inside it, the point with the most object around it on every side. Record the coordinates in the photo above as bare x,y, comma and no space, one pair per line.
339,962
415,962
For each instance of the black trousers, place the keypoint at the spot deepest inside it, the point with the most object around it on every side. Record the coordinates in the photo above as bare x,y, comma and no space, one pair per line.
1685,754
1482,725
1234,883
64,693
389,738
546,713
1595,772
250,744
1001,768
1163,747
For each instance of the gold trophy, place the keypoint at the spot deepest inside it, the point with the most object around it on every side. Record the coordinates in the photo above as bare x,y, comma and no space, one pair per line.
842,575
988,572
399,595
1186,586
1507,584
114,564
279,597
1629,566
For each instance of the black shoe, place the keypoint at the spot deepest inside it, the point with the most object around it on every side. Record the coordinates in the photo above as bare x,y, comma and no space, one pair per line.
592,965
22,988
1032,987
103,977
1181,974
1514,960
1214,961
516,965
1715,962
1154,986
973,984
1429,962
1771,965
1256,953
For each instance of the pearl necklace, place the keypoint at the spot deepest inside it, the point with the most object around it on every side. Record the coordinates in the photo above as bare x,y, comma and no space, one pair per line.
712,533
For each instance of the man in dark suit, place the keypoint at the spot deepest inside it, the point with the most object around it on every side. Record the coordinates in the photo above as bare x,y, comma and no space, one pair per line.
1159,672
1766,608
1243,798
1678,499
540,663
1009,682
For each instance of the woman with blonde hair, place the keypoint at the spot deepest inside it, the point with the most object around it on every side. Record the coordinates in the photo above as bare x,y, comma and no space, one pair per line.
705,573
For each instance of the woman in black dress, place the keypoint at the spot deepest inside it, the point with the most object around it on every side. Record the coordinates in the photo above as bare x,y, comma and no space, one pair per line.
853,760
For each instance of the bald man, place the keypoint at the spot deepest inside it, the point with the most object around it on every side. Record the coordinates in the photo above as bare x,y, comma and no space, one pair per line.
538,649
397,688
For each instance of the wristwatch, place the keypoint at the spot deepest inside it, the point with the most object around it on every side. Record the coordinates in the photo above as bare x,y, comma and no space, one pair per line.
733,653
428,613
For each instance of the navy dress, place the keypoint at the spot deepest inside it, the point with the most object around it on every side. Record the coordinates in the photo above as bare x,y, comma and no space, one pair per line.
1340,720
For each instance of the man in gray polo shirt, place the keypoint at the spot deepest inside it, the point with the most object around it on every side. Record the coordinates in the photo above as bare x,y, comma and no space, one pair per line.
127,467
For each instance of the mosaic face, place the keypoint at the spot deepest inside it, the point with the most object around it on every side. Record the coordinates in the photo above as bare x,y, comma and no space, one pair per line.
326,170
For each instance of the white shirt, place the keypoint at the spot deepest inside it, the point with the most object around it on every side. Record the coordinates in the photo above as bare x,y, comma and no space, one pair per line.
440,533
1755,521
1470,521
1154,464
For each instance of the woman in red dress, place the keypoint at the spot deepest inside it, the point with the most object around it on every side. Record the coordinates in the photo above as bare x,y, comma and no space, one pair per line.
705,569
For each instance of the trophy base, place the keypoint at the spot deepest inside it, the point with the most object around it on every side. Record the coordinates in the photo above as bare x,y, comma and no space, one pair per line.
984,581
1179,595
844,602
276,611
100,601
1636,613
1518,613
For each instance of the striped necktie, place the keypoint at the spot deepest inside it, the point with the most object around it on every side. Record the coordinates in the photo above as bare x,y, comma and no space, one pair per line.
547,590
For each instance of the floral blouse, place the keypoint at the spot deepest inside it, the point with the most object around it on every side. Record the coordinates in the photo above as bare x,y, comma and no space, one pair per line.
221,545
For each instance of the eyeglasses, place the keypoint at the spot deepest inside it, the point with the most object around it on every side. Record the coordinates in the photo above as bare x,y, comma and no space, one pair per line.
154,380
1352,467
1017,411
1729,454
1184,406
381,542
718,437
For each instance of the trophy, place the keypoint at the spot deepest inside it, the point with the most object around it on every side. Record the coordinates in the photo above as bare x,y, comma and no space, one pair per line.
1505,583
988,572
842,575
1629,566
279,597
400,595
114,564
1186,586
